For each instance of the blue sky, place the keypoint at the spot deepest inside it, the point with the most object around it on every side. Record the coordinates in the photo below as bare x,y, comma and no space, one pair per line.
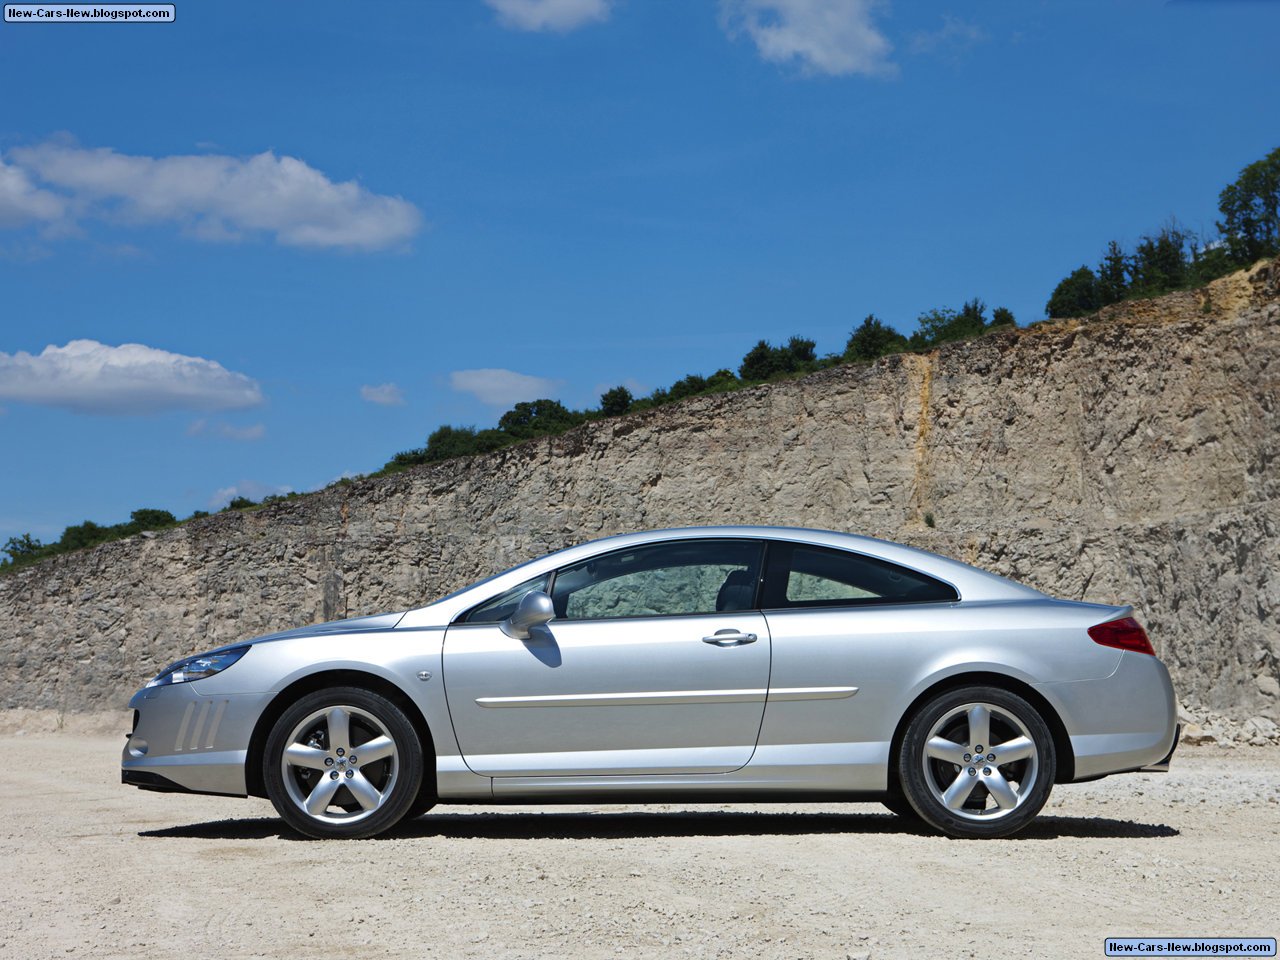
329,227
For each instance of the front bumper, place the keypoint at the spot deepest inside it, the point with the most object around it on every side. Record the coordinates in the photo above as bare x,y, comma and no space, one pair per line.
146,780
185,742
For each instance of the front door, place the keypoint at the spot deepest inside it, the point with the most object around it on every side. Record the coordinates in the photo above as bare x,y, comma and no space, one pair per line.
656,663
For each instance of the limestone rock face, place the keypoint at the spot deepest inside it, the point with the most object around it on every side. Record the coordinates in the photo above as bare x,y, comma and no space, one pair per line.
1131,457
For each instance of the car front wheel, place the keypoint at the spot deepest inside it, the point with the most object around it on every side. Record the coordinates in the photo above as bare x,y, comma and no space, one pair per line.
343,763
977,762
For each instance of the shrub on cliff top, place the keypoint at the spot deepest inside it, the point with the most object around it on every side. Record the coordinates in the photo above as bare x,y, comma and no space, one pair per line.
872,339
1174,258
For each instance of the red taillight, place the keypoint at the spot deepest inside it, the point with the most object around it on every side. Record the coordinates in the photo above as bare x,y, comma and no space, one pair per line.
1124,634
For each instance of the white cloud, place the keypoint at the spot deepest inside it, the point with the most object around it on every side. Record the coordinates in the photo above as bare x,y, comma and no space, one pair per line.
385,394
251,489
212,197
557,15
22,202
502,388
822,36
91,377
226,430
955,35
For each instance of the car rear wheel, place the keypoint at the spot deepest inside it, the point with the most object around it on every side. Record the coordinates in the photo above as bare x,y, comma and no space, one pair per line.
977,762
343,763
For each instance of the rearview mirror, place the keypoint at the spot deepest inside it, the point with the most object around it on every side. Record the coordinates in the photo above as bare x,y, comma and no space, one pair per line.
535,610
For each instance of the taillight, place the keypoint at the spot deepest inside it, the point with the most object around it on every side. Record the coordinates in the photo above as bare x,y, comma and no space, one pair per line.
1124,634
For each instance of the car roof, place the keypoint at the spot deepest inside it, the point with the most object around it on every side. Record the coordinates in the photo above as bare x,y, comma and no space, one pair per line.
969,581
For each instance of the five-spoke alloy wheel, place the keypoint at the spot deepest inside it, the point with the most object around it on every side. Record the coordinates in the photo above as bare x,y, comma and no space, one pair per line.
977,762
343,762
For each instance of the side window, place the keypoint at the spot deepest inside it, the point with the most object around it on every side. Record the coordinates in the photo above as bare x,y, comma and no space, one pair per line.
504,604
814,586
684,577
805,576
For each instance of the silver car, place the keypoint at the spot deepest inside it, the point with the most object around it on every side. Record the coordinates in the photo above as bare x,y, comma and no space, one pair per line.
702,664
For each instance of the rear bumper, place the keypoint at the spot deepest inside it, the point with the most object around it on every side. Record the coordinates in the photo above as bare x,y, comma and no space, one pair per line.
1122,723
1162,766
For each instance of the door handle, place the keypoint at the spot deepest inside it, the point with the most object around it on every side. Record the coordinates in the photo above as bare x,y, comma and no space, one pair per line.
730,638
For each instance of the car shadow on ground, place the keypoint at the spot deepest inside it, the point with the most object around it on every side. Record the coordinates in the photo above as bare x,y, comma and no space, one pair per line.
617,826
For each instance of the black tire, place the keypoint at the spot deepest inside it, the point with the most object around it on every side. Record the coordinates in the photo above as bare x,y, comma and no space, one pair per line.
969,794
370,794
425,800
899,806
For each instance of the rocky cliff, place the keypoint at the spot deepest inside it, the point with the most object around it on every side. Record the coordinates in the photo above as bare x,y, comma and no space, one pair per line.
1127,457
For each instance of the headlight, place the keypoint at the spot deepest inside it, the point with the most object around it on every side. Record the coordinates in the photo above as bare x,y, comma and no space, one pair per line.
198,667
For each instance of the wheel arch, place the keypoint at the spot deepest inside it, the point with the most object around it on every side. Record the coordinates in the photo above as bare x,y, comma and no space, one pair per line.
1057,729
319,681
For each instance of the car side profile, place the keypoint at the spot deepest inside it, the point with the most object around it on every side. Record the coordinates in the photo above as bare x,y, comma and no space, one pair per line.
702,664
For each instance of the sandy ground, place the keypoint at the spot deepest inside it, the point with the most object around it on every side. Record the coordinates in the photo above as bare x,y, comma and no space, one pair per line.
92,868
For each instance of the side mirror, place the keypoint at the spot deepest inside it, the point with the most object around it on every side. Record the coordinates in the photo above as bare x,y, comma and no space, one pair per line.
535,610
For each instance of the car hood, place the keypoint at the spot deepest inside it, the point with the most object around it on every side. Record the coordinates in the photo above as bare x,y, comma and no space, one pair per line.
380,621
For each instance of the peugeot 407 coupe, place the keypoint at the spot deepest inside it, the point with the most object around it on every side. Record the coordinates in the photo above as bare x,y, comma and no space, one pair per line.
703,664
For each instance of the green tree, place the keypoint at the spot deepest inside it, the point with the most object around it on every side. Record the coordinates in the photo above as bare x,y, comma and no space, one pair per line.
722,379
872,339
1250,209
1075,296
490,440
764,360
761,362
447,442
942,326
615,402
148,519
689,386
240,503
407,458
538,418
85,534
801,351
971,320
1209,261
25,547
1002,317
1113,275
1160,263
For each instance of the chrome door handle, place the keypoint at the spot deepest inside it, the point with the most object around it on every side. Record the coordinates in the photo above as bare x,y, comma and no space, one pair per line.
730,638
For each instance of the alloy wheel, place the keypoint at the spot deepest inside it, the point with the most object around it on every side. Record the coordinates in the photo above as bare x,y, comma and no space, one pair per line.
339,765
980,762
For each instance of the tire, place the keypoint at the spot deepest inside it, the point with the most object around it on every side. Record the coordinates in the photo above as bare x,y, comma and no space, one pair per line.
316,777
973,790
899,806
425,800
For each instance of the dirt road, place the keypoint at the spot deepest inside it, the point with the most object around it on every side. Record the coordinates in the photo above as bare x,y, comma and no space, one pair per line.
91,868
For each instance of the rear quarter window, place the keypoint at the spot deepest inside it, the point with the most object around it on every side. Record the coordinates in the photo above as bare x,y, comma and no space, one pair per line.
799,575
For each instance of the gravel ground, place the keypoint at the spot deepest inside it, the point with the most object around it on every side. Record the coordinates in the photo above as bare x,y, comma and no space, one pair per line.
92,868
